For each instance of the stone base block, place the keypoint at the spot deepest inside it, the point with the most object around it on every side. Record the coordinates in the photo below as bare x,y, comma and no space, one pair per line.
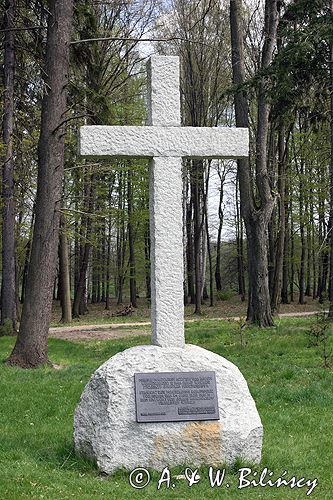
105,427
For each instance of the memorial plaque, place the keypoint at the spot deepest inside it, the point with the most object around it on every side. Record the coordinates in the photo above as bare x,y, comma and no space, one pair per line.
175,396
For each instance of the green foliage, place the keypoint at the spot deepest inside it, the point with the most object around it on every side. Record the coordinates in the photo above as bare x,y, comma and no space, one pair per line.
224,295
300,70
320,336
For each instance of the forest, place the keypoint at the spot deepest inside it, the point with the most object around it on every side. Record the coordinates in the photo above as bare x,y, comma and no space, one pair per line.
77,231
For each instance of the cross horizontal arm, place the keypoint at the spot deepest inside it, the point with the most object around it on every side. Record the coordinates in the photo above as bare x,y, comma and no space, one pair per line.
189,142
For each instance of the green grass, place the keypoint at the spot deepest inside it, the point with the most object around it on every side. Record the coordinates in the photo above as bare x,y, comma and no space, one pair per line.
293,393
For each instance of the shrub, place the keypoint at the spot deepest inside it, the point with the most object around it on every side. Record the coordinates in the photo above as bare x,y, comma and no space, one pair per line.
320,335
224,295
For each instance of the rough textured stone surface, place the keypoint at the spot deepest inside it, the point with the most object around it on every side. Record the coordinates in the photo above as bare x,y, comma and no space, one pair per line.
105,427
166,226
163,91
189,142
166,213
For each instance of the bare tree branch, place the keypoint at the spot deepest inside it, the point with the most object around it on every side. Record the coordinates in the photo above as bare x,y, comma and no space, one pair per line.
113,38
30,28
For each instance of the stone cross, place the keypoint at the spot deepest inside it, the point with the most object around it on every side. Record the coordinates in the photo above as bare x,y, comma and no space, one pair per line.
104,422
165,143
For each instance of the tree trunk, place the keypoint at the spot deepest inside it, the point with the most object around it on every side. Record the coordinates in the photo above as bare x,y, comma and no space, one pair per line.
27,257
323,261
308,175
94,274
308,261
190,252
301,299
107,274
103,261
307,195
273,224
256,218
95,261
331,185
242,288
130,230
211,280
279,253
240,247
184,206
209,251
121,241
218,281
323,293
8,288
31,346
64,275
271,254
196,182
259,310
285,269
203,255
313,251
292,251
147,262
25,270
285,273
76,254
79,303
108,260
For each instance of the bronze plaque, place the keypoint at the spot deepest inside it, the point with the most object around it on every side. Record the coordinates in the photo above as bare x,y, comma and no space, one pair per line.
175,396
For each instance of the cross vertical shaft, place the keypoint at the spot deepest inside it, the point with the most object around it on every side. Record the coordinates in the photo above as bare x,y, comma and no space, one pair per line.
166,218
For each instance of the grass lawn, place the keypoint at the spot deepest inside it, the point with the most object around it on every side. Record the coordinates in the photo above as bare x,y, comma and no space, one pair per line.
294,396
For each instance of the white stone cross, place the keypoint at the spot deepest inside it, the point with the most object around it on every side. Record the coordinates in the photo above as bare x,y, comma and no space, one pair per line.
165,142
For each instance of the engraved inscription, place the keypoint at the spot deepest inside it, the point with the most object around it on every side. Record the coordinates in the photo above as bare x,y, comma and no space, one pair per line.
176,396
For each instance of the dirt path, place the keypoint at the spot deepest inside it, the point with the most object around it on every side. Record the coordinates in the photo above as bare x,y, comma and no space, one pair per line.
101,334
123,330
